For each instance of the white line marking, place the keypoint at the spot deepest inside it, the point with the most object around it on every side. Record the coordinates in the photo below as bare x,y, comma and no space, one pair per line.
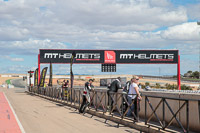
20,125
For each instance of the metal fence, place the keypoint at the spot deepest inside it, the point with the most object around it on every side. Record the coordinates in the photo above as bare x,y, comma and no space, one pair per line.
100,99
163,103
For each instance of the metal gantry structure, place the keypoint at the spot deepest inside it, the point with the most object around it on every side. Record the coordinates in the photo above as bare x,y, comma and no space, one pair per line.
109,58
198,23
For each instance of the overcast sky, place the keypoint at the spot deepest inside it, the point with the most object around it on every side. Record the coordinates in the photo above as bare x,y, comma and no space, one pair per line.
29,25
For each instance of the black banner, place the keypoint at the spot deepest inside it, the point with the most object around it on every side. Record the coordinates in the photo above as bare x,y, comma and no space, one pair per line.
147,56
36,77
42,78
50,75
64,56
110,56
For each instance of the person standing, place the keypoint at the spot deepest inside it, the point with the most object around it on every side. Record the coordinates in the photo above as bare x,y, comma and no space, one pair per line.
115,85
45,87
86,95
65,90
125,93
61,90
133,95
56,90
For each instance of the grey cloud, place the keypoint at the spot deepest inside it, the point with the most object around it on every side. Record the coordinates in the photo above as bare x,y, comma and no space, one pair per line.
160,3
99,13
29,47
76,21
13,33
107,13
183,32
13,59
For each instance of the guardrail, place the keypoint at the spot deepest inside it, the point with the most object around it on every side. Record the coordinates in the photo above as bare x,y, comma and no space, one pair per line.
100,99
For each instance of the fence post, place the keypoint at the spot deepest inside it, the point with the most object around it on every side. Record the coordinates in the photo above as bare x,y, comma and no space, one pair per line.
122,105
71,96
79,96
187,117
145,115
163,99
96,101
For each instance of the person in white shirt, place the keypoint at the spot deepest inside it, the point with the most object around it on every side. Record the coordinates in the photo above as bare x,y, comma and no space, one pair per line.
132,95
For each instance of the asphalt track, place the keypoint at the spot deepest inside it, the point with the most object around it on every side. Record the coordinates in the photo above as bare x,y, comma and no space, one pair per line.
19,83
38,115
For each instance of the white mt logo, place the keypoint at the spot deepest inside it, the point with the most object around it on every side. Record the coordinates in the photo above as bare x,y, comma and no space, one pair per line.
109,56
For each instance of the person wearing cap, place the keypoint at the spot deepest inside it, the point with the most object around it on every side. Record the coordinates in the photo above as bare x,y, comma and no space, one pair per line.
133,94
115,85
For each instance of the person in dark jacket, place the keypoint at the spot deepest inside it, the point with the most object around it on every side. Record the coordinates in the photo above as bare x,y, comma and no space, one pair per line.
115,85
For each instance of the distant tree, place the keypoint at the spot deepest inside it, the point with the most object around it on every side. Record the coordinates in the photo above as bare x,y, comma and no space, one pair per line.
147,83
184,87
195,74
175,76
157,85
170,87
189,72
166,85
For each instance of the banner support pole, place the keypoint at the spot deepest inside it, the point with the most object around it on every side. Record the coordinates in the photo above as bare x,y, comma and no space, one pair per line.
178,74
38,69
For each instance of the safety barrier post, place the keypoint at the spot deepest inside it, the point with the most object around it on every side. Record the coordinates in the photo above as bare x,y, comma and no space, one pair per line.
163,99
187,117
